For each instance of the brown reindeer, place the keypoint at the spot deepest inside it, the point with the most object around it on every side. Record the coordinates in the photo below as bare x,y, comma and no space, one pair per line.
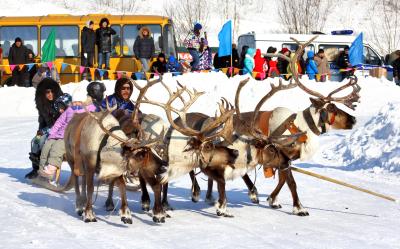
321,116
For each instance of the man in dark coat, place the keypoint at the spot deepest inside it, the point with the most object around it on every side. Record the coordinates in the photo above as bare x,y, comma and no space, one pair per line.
88,41
344,63
103,41
47,92
144,47
160,65
19,54
283,64
396,68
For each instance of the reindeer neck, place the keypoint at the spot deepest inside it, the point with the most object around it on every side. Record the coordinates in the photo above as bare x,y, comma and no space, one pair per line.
309,121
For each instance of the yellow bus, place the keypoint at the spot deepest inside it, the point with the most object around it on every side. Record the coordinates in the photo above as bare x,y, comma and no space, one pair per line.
34,30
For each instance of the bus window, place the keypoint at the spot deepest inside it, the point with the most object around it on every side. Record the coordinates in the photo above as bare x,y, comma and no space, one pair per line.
332,51
370,57
132,31
116,42
246,40
67,39
28,34
293,47
169,40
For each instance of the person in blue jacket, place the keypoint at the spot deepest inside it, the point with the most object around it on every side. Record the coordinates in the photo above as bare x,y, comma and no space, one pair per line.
249,61
173,65
121,97
311,65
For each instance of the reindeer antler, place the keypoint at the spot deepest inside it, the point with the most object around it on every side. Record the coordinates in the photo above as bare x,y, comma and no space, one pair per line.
142,93
226,110
347,100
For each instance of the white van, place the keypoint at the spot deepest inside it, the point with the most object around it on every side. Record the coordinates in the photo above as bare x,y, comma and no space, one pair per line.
332,44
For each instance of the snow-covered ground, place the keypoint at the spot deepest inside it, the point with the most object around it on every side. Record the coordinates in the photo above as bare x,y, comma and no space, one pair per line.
368,156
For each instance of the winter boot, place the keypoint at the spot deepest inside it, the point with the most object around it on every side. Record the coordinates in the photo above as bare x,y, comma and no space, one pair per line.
35,166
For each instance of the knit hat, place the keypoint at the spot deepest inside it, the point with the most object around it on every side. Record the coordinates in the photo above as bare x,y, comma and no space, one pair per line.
197,26
18,39
79,95
62,102
284,50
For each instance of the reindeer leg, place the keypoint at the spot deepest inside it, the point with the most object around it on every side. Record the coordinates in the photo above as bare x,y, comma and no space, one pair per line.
253,193
195,187
272,199
145,194
158,211
79,203
209,196
89,215
124,212
165,203
109,202
298,209
222,202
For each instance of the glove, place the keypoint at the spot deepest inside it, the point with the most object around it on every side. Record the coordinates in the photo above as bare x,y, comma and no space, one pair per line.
85,55
39,133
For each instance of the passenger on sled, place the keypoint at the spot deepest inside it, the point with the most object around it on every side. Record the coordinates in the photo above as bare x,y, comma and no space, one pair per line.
53,150
47,92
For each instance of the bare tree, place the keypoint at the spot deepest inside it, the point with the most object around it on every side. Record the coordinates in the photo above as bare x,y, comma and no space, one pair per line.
384,28
185,13
124,6
303,16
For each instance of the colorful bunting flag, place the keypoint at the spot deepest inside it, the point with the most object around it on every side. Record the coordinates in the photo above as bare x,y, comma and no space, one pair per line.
63,66
119,74
139,75
12,67
101,72
81,69
20,67
73,67
92,70
224,70
58,67
254,74
129,75
50,64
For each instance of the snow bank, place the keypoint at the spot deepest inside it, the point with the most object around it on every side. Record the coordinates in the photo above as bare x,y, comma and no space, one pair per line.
376,145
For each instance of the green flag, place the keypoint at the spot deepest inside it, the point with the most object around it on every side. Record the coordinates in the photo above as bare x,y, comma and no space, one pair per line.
49,47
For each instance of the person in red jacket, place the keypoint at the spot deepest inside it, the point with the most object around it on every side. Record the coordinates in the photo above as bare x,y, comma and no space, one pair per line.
272,63
259,65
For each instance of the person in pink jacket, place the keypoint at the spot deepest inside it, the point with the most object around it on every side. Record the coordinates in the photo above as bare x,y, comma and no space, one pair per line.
53,150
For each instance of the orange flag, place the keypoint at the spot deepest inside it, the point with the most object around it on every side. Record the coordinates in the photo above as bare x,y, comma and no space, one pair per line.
73,67
20,67
58,67
92,70
224,70
129,75
111,75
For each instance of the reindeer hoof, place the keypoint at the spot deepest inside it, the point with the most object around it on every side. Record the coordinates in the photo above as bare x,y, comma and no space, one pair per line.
87,220
146,206
195,197
224,214
254,196
300,211
274,203
158,219
109,206
126,220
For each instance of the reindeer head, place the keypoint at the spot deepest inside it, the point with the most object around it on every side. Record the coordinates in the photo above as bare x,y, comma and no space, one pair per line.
207,147
328,114
272,151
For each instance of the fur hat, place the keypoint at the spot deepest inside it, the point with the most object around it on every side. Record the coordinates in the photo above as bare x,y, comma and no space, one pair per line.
88,23
79,95
18,39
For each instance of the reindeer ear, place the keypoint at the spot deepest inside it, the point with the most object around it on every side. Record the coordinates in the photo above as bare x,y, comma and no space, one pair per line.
317,103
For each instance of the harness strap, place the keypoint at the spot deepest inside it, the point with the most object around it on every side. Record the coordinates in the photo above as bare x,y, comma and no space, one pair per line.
101,146
310,122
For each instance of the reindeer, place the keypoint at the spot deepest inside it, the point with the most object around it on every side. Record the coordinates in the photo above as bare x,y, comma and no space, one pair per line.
320,117
183,152
95,144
